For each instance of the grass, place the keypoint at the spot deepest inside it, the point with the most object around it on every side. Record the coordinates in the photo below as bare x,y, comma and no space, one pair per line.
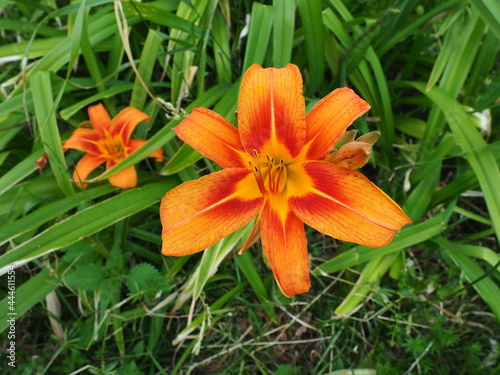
93,294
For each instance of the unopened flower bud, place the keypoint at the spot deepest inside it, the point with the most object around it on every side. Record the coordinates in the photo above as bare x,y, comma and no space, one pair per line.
352,155
370,137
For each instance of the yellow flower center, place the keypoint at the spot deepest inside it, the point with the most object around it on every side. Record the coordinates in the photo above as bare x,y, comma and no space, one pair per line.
112,147
270,173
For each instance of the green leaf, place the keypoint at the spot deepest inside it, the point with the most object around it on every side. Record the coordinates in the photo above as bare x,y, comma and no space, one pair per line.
149,55
89,221
47,125
183,158
369,277
311,16
261,22
222,51
489,10
20,171
49,212
480,157
80,253
87,277
115,261
247,266
28,294
485,286
283,30
143,277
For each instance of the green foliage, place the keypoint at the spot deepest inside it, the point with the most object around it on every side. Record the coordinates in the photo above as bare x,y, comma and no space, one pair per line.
428,69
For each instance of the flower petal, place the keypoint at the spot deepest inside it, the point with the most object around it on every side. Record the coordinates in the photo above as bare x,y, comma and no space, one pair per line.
329,119
285,246
126,121
196,214
99,118
85,140
134,144
125,179
344,204
271,110
86,165
213,136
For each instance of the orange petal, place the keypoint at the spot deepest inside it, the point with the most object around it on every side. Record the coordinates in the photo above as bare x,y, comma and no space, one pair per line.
285,246
125,179
214,137
329,119
196,214
271,110
344,204
85,140
99,118
134,144
86,165
126,121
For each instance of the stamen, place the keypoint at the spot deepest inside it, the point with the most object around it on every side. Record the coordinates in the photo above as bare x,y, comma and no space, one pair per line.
258,177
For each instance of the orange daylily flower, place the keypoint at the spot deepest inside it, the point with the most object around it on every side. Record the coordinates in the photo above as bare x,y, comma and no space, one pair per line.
274,169
108,140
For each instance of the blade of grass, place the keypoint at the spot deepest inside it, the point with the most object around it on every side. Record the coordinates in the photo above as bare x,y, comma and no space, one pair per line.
145,69
20,171
49,133
27,295
369,277
489,10
247,266
484,285
311,16
49,212
480,157
88,221
183,158
259,32
283,28
222,51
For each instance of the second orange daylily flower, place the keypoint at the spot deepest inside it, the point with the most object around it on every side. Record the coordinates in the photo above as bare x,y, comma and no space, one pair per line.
275,168
108,140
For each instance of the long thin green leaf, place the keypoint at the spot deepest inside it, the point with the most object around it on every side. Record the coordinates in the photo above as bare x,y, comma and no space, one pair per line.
89,221
222,51
485,286
369,277
148,59
246,264
283,28
50,212
480,157
28,294
49,133
311,16
489,10
183,158
259,32
20,171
